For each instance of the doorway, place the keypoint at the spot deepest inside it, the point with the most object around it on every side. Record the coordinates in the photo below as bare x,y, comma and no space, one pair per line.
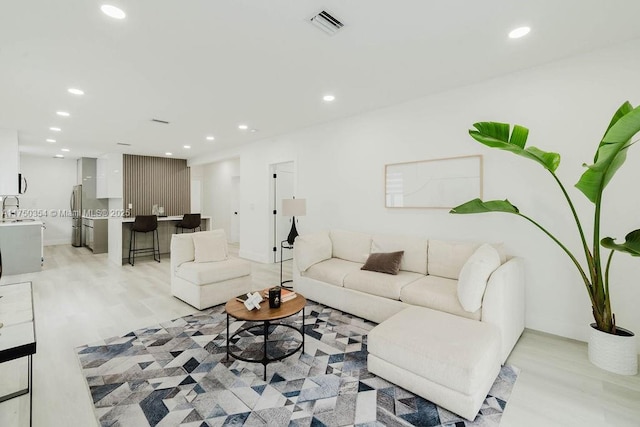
221,196
282,187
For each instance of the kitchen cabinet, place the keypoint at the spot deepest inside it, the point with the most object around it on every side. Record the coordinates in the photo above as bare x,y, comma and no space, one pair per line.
87,174
101,178
9,162
96,235
109,176
87,227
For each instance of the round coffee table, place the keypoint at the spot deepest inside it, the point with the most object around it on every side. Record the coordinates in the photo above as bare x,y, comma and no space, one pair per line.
267,316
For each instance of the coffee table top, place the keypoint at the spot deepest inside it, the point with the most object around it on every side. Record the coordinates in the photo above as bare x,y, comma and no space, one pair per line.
237,309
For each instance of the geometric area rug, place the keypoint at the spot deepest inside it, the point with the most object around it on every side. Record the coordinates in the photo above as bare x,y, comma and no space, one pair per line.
176,374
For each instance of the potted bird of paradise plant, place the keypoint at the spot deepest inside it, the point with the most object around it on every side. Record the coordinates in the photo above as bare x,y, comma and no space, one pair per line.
610,347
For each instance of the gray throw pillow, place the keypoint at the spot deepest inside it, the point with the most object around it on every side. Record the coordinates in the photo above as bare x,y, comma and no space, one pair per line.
388,263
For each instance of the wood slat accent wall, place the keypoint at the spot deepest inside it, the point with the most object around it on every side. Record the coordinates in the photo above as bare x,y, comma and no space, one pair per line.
156,180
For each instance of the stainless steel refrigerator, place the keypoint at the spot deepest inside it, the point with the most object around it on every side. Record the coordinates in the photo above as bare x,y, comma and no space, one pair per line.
76,216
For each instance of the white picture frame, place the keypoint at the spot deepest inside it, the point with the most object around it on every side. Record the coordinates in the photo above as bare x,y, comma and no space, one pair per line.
437,183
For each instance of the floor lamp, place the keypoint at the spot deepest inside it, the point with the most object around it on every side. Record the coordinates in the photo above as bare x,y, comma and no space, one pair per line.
293,208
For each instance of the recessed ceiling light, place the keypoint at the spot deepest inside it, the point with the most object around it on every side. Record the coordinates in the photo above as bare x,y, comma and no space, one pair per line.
253,130
63,113
243,127
328,98
55,129
210,138
51,140
519,32
66,150
75,91
59,156
168,154
112,11
186,146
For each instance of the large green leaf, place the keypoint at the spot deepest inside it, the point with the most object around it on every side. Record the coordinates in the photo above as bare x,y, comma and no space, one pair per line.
496,135
612,152
478,206
631,244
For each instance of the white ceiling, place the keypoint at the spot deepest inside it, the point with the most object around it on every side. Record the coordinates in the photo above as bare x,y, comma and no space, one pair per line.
206,65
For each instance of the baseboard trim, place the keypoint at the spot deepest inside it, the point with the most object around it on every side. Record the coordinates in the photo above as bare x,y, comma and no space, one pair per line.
254,256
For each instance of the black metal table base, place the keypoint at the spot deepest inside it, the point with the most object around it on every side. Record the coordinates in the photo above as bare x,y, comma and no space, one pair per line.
24,391
265,360
282,282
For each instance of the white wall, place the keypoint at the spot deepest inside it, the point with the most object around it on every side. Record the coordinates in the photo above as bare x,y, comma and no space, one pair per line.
50,184
566,104
196,174
115,232
9,162
216,192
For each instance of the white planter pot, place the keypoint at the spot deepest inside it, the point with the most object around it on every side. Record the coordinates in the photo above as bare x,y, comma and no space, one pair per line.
614,353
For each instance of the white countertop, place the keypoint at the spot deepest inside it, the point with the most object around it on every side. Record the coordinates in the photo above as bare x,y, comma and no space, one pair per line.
164,218
9,223
94,217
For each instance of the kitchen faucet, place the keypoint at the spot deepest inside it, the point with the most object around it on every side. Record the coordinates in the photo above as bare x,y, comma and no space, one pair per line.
4,204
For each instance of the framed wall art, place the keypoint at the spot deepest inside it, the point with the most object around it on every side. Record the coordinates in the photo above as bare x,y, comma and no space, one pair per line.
437,183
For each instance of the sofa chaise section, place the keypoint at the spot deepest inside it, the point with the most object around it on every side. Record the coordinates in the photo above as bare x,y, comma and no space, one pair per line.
450,360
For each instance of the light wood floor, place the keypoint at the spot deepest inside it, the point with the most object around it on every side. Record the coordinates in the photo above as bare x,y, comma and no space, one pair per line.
81,298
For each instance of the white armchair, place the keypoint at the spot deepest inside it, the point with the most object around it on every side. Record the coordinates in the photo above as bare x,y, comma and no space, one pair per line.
202,272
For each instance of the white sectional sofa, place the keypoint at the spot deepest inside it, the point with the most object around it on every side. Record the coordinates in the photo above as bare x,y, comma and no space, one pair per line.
426,341
327,266
203,274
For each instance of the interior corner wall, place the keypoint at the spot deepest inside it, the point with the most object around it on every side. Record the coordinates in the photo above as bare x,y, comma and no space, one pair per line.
216,188
50,184
566,104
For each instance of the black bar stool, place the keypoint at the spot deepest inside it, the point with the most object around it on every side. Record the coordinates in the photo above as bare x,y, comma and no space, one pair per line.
144,224
189,221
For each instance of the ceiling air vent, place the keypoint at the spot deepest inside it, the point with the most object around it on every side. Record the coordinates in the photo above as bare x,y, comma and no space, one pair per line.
123,143
164,122
326,23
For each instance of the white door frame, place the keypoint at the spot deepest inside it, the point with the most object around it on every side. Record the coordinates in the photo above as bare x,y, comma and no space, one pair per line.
287,170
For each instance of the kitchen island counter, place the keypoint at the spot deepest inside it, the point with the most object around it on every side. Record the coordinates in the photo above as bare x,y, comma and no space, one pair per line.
7,222
166,227
21,246
168,218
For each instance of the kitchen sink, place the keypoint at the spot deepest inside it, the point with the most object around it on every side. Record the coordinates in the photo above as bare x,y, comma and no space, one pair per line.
17,220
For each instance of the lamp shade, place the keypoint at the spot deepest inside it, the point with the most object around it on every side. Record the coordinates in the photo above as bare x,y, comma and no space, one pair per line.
294,207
